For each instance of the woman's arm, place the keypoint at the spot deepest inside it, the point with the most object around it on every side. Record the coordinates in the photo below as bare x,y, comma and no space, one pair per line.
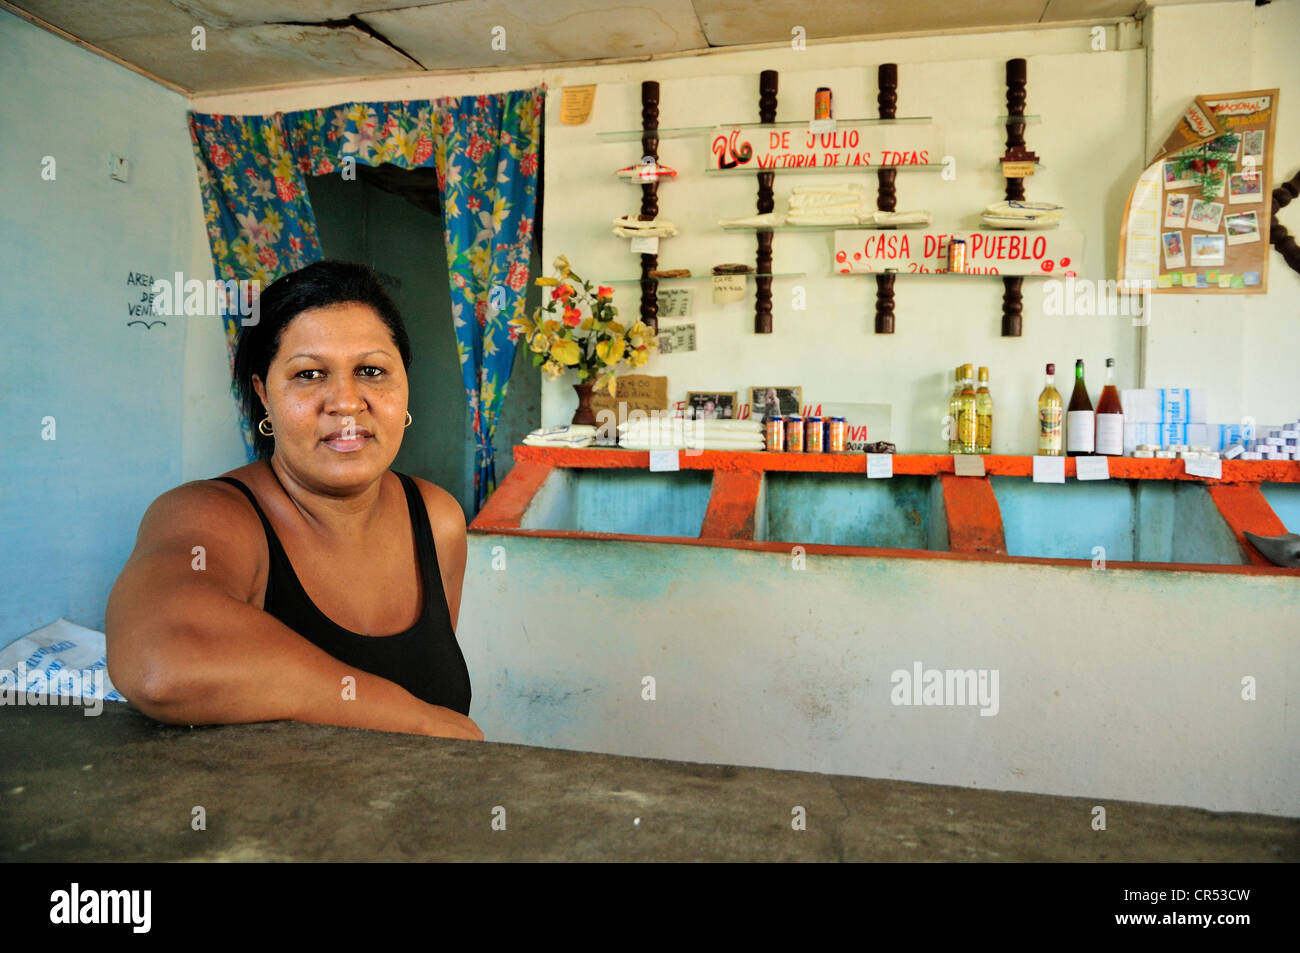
186,646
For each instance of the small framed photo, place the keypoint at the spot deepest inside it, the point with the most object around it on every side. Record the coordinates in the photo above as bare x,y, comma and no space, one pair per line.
773,401
1173,182
1205,215
1176,209
1246,188
1207,250
1175,251
710,406
1241,227
1252,147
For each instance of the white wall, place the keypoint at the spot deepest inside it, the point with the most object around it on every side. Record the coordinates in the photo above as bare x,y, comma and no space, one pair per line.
1230,343
1101,113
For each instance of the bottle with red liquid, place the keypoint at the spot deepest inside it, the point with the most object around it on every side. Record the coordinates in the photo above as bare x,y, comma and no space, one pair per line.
1080,422
1110,416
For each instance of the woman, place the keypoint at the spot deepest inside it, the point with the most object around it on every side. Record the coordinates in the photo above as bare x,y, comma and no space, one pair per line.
314,584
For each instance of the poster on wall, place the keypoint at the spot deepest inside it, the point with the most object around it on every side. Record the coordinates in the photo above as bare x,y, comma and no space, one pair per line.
1197,218
755,148
925,252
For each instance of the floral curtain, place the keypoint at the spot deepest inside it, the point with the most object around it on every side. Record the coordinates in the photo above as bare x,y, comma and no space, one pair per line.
259,221
252,173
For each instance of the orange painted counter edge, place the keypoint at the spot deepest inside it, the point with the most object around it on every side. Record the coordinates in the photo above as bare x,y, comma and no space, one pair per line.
905,464
823,549
1244,509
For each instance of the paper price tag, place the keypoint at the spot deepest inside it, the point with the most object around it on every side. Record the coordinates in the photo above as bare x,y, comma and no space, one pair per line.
645,245
664,461
968,464
821,125
1209,467
1049,469
880,466
1091,468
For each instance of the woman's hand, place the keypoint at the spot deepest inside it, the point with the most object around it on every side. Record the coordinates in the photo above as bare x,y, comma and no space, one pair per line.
445,723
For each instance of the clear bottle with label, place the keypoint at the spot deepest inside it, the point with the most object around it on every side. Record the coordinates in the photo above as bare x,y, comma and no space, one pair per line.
1080,421
1049,417
983,415
967,423
1110,416
954,411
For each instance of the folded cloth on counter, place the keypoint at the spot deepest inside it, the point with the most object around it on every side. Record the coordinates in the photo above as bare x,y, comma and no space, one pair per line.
570,435
765,220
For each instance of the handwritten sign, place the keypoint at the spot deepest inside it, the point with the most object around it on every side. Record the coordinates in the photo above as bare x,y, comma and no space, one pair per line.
664,461
675,302
644,245
727,288
1208,467
673,340
1049,469
968,464
925,251
1091,468
758,148
880,466
632,392
575,104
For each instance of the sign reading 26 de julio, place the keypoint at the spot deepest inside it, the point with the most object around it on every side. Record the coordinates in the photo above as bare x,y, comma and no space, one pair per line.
925,251
866,147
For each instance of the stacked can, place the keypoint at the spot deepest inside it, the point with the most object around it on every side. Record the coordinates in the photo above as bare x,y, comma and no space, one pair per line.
794,434
814,435
957,255
776,433
837,434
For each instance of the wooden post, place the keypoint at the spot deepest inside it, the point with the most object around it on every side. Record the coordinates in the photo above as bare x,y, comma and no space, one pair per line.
1012,299
886,194
650,199
1278,235
767,83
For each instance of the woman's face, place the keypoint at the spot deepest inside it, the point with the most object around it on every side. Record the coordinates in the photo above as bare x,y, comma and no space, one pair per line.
336,393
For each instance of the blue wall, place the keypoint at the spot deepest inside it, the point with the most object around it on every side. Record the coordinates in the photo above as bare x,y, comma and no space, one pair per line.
70,507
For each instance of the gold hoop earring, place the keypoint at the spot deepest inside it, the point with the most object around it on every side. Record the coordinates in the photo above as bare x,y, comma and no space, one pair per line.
263,427
409,420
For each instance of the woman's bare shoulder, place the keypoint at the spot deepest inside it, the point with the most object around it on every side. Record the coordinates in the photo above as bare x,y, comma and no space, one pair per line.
201,505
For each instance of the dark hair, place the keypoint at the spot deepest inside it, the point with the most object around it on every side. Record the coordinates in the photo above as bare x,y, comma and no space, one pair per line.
318,285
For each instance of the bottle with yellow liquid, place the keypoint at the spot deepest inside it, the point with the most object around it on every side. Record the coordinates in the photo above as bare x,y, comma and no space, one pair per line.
1049,417
983,415
967,424
954,411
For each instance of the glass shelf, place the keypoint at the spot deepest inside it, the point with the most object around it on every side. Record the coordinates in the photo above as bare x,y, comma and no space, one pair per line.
634,135
637,281
817,169
819,228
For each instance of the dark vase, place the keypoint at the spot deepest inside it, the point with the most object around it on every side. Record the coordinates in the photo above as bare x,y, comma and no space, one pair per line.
584,414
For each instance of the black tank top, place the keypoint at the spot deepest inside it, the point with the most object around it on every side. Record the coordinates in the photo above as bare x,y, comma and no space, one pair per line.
425,659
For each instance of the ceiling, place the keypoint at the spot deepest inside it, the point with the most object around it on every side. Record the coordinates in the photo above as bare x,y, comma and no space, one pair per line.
256,43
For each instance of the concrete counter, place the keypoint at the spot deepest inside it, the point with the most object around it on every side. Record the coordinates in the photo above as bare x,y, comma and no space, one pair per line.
122,787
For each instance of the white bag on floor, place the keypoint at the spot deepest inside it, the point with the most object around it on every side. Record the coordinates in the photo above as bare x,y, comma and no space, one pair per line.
62,658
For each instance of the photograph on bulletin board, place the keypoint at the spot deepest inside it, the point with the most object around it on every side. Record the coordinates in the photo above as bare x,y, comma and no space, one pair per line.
1197,219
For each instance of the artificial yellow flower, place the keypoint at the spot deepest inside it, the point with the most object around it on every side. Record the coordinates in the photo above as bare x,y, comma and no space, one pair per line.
547,282
566,352
640,334
611,351
553,370
638,358
613,327
538,343
608,381
562,266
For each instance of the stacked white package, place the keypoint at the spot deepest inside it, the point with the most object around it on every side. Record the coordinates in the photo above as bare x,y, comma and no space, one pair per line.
660,433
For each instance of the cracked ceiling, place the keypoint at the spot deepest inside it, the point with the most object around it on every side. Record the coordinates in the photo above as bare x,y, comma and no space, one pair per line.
257,43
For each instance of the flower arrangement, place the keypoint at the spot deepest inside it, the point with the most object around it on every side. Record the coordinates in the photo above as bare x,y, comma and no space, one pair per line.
595,345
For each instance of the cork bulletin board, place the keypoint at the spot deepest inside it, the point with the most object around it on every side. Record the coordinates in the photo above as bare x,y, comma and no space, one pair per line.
1197,221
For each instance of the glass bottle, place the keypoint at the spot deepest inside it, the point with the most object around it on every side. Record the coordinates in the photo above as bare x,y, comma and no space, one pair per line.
967,424
983,415
1080,423
1049,417
1110,416
954,411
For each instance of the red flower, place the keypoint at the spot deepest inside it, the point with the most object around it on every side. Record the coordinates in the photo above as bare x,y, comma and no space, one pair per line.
285,189
473,203
604,292
572,317
480,312
267,257
478,147
528,164
423,149
219,156
518,275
